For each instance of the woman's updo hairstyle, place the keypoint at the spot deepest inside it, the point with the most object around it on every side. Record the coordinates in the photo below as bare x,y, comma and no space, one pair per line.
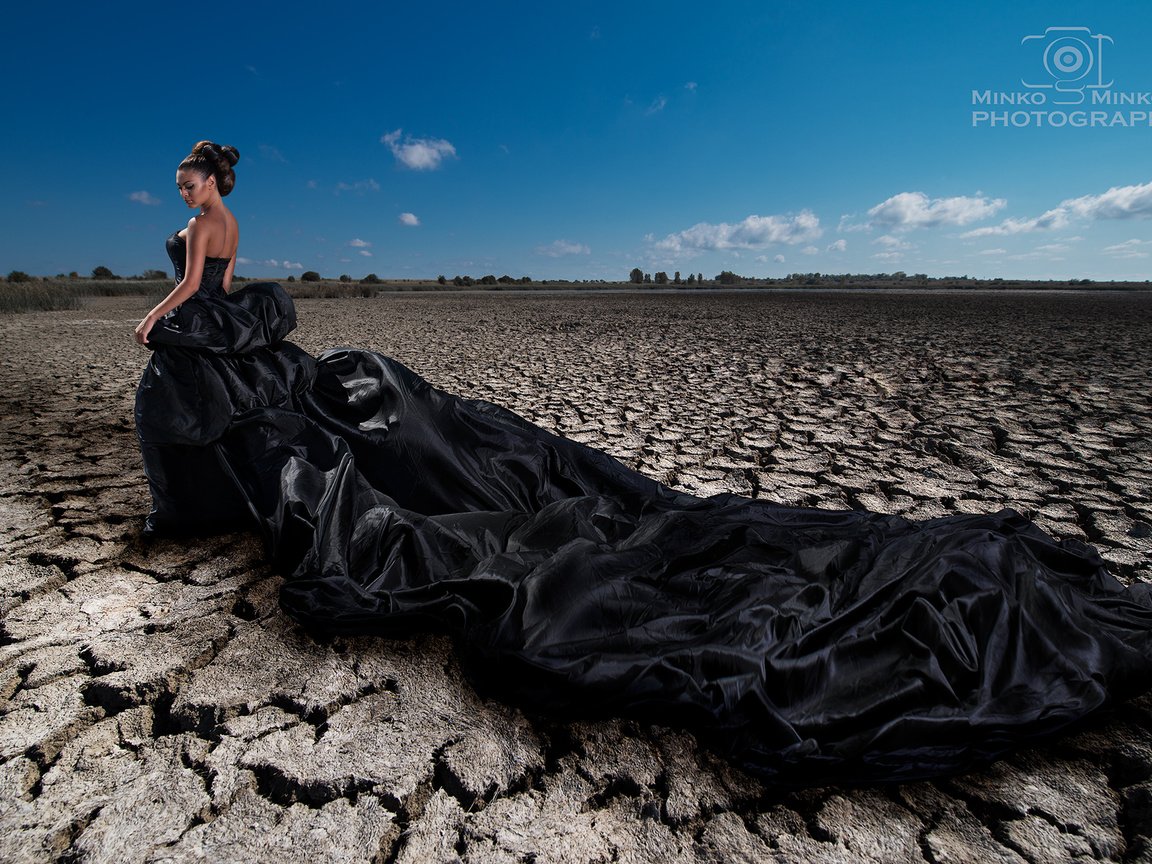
208,157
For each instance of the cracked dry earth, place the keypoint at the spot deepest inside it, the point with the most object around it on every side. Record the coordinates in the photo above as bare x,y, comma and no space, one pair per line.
155,705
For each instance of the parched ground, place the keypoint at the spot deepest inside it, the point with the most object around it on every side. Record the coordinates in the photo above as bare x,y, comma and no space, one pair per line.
155,705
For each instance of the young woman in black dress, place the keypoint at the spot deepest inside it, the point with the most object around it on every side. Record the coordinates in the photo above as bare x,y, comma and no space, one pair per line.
206,246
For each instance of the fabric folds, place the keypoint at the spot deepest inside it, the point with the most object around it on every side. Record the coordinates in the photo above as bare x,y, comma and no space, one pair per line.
808,645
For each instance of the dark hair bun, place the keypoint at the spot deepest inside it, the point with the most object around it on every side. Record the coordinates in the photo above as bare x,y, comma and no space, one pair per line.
215,159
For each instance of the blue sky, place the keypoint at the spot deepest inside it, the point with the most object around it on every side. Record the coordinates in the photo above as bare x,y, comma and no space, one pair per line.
580,140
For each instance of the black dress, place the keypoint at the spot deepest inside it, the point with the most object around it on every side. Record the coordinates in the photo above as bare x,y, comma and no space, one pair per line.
808,645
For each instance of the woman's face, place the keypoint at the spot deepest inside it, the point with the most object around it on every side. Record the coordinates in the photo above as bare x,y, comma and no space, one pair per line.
195,188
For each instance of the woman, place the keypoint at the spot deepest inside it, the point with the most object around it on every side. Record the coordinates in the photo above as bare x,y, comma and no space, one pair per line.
193,385
203,178
809,645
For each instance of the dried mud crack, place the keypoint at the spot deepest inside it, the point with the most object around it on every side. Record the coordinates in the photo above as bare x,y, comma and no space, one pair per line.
156,706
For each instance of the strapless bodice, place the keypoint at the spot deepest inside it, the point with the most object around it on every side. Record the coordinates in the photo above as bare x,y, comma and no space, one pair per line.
211,281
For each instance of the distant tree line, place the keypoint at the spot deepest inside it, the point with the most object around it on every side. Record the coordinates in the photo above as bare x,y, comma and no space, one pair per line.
635,277
639,277
466,281
102,273
727,277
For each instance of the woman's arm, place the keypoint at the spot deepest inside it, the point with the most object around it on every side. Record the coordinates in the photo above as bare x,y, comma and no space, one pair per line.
197,245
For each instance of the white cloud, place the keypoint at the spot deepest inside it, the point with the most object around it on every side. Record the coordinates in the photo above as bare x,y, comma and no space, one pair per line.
560,248
358,186
419,154
1060,244
271,153
838,245
691,86
992,252
658,105
143,197
1052,219
845,224
1035,255
365,253
889,256
810,250
1129,249
907,210
779,259
1127,244
1119,202
410,219
754,232
357,243
892,243
286,265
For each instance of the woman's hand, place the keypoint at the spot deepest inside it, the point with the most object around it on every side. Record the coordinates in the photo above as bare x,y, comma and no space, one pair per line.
144,328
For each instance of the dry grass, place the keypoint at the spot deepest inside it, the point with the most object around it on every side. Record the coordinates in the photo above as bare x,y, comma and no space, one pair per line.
45,296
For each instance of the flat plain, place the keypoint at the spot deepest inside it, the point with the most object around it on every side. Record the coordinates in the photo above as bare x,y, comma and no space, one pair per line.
155,704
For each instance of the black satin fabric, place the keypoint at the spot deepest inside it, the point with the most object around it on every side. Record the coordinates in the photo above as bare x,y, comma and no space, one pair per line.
810,646
212,276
